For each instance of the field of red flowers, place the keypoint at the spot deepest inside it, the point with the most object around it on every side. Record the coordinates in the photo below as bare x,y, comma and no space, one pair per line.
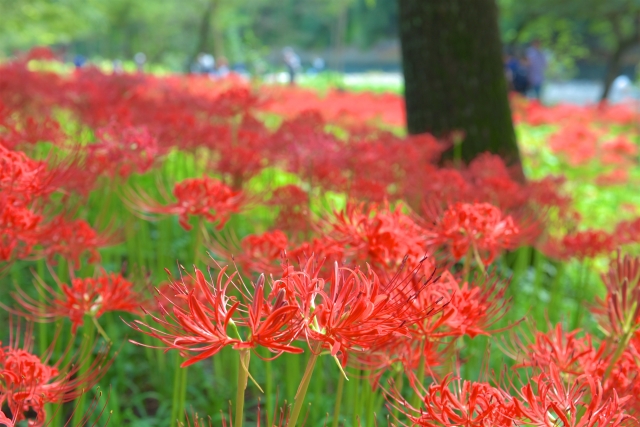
176,250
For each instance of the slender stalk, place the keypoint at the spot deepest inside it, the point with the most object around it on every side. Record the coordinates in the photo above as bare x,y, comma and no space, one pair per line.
304,385
88,330
357,410
183,393
538,260
556,294
243,378
622,346
466,267
415,399
336,408
43,338
583,282
177,375
197,241
457,153
293,373
269,389
399,380
370,402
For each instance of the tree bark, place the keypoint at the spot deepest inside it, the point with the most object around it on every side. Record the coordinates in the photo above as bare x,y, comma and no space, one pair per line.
613,66
454,75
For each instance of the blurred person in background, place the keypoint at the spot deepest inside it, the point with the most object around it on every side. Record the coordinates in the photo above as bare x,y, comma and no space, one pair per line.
509,69
79,61
205,64
118,68
317,65
521,75
537,65
292,62
140,59
223,69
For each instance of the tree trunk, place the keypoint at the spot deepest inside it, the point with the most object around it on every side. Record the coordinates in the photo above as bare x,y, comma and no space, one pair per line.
454,75
613,66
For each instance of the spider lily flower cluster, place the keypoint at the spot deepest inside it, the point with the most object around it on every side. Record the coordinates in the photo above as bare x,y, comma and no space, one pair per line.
347,311
340,239
29,382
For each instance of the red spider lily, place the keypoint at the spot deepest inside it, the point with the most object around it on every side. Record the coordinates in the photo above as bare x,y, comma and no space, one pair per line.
70,239
18,228
234,101
567,351
260,252
318,248
28,382
614,177
40,53
478,229
204,197
443,185
32,130
453,402
241,151
627,232
493,182
624,378
465,309
619,313
199,330
358,311
410,353
6,421
293,208
83,297
381,236
273,325
550,400
575,141
584,244
23,177
122,150
619,151
475,308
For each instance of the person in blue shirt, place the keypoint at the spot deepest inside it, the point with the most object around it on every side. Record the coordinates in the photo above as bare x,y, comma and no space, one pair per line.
537,65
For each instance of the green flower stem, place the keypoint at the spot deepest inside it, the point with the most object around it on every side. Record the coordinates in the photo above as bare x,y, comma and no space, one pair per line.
268,388
179,392
556,294
538,263
357,410
623,344
415,400
304,385
243,378
43,338
293,373
86,346
466,267
583,272
523,255
398,383
336,408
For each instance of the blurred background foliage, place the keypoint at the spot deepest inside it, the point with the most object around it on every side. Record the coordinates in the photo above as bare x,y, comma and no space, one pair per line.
172,32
